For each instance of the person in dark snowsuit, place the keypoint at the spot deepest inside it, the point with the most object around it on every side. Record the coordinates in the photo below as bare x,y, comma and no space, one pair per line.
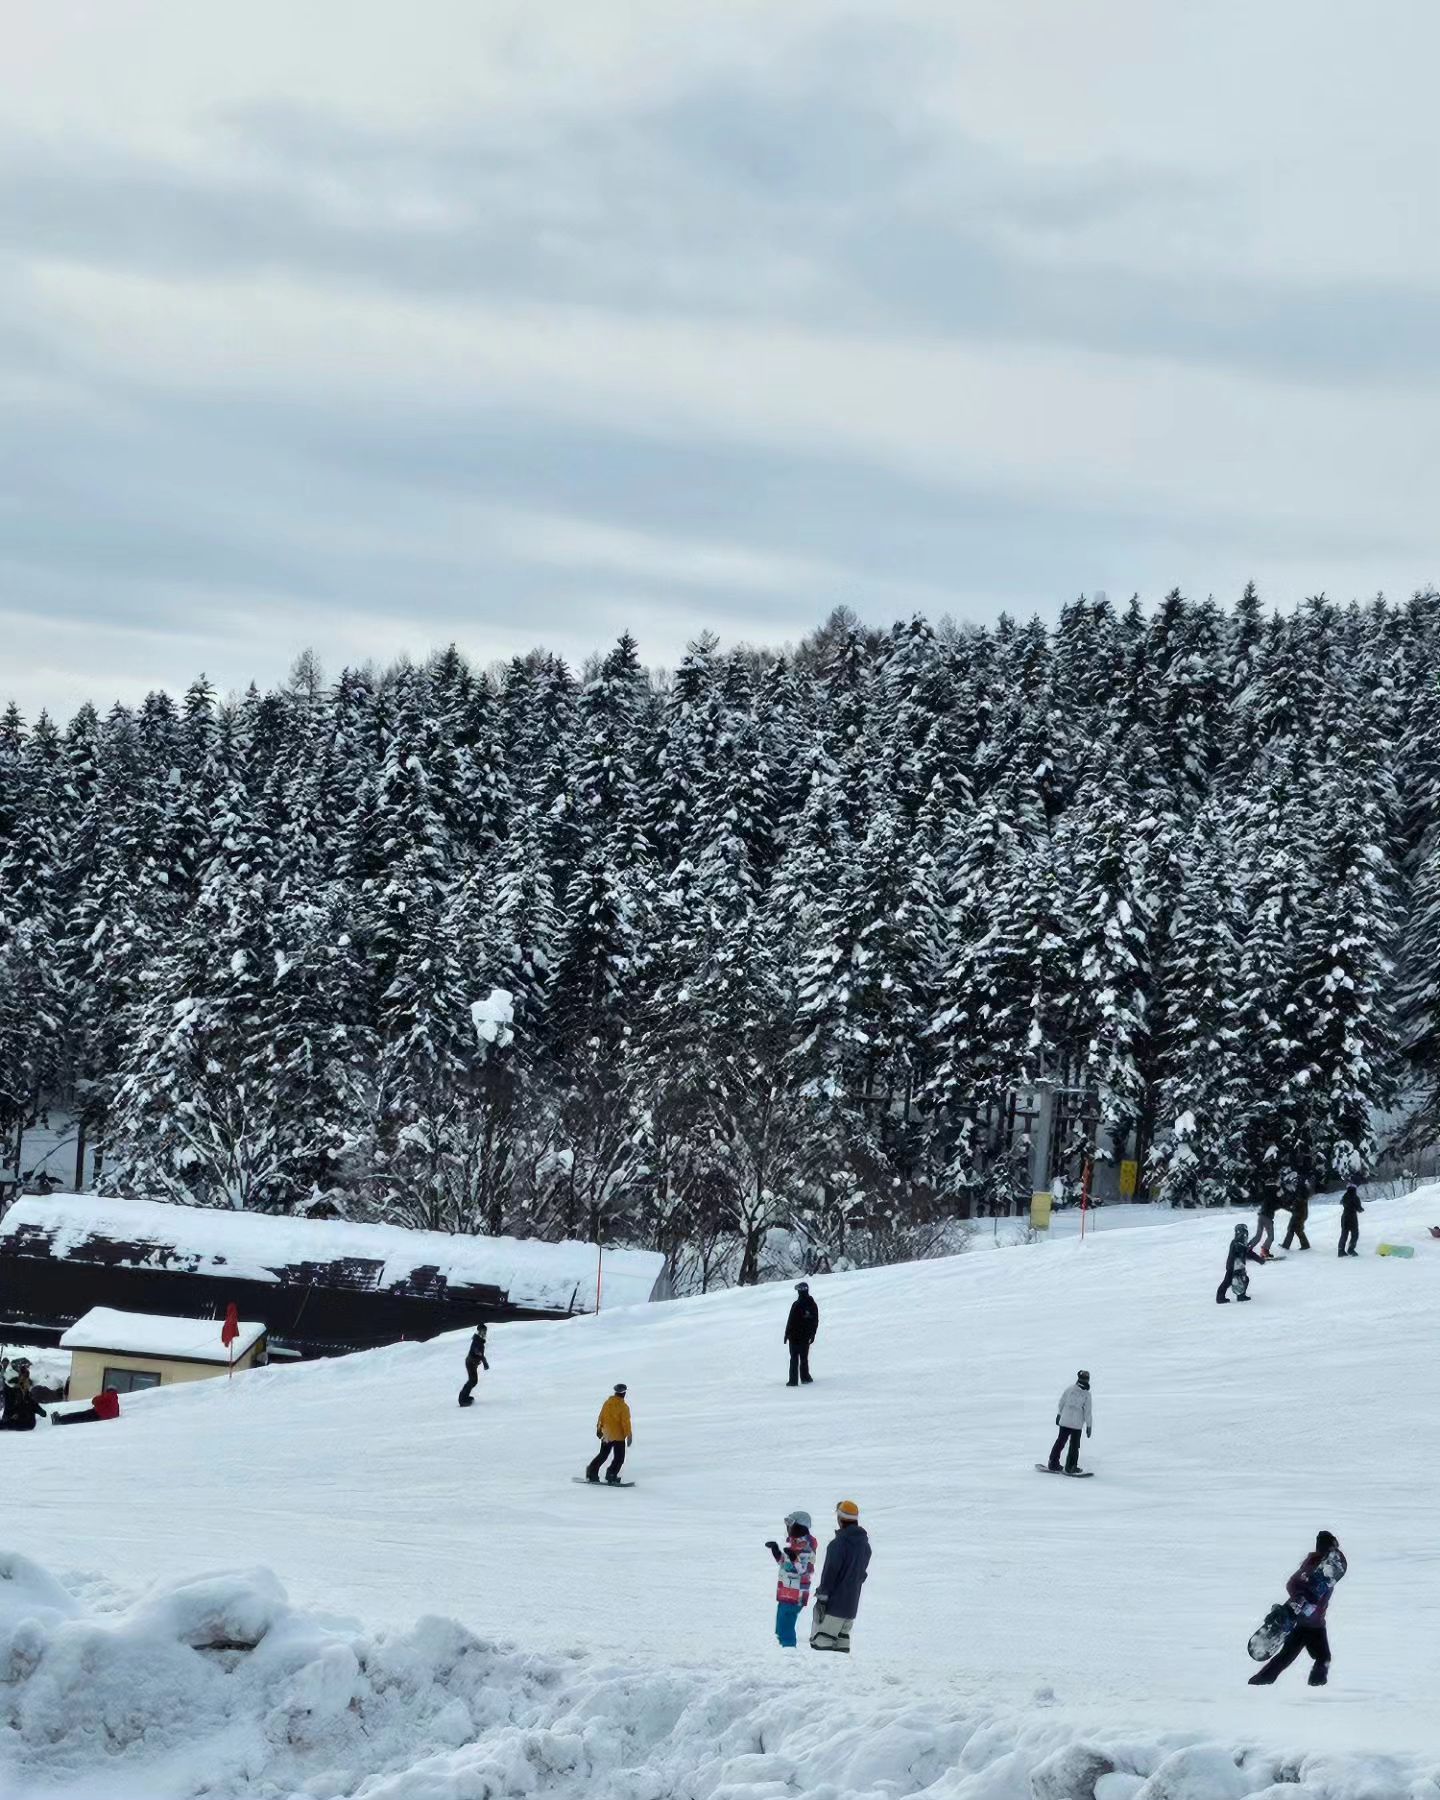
21,1407
1309,1589
800,1330
1350,1211
1264,1237
837,1597
475,1361
1299,1213
1240,1254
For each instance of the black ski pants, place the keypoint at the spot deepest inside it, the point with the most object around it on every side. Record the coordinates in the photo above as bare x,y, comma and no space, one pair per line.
1304,1637
1296,1230
77,1418
799,1363
472,1375
616,1452
1349,1236
1070,1433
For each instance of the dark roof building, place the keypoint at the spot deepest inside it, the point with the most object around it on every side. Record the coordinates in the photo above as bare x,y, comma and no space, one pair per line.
319,1286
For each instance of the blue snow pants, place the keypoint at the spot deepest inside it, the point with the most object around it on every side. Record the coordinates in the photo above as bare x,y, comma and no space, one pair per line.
786,1613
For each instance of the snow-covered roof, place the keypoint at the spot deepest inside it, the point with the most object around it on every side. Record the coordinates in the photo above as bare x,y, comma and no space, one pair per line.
378,1258
151,1334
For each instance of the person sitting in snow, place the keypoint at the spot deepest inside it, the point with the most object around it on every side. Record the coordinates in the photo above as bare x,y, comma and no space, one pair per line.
797,1564
837,1599
800,1330
1073,1412
614,1431
105,1405
1309,1588
1240,1253
475,1361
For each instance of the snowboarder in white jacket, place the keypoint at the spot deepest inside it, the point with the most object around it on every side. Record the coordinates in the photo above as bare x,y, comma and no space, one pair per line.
1073,1412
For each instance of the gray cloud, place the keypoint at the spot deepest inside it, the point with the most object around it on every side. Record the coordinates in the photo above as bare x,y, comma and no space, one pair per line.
1000,385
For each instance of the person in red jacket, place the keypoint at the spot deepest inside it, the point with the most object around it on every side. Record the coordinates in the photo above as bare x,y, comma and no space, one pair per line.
105,1405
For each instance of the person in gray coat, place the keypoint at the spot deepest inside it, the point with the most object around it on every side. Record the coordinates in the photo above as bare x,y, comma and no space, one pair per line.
1073,1413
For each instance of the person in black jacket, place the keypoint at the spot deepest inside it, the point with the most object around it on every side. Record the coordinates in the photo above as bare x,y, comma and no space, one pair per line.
475,1361
21,1407
1240,1254
800,1329
1299,1213
1350,1211
837,1596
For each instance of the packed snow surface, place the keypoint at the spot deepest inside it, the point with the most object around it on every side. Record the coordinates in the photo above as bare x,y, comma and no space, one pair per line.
254,1246
152,1334
1021,1635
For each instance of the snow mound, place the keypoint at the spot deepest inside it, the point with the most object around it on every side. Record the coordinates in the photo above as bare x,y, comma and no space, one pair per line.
219,1686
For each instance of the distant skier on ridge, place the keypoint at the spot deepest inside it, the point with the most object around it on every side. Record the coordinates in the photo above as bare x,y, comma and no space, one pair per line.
475,1361
1073,1412
1350,1211
800,1330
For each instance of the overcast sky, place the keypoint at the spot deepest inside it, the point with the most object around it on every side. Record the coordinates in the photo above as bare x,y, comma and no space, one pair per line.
372,326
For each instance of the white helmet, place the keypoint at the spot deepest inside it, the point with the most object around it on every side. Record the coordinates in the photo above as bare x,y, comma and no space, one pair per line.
802,1519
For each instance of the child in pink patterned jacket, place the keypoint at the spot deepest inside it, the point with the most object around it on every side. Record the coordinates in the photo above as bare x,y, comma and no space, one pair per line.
797,1565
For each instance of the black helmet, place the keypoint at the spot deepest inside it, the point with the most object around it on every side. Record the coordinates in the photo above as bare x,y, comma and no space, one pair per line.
802,1287
620,1387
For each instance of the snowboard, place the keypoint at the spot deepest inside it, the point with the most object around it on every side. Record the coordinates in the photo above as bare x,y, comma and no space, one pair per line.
1394,1250
1074,1474
581,1481
1282,1619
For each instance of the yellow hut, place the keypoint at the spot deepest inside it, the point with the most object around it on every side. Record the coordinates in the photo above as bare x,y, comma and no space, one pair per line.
130,1351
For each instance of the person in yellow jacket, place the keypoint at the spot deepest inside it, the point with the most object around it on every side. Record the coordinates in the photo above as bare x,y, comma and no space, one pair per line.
615,1434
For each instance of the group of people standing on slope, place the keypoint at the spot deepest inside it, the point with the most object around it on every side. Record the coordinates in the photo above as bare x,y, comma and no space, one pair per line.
1258,1248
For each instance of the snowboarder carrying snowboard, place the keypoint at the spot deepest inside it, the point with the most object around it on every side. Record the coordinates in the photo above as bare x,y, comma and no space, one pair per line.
1309,1588
1350,1211
837,1599
800,1330
1073,1412
1235,1276
797,1564
615,1435
475,1361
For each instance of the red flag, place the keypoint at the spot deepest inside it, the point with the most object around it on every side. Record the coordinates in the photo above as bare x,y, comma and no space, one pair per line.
230,1330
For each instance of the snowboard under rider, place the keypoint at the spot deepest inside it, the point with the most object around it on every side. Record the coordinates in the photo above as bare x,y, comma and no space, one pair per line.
475,1361
837,1598
797,1566
614,1431
1309,1588
800,1330
1350,1211
1073,1412
1239,1254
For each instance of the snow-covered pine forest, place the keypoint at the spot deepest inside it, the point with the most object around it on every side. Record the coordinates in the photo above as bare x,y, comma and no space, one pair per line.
782,933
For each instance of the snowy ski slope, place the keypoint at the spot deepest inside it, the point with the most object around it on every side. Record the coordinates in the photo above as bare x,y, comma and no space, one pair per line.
1224,1438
